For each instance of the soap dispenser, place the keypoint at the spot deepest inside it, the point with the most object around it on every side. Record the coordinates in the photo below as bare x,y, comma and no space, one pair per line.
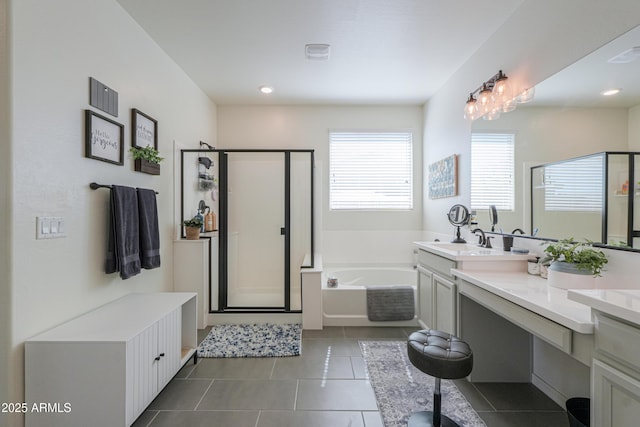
210,220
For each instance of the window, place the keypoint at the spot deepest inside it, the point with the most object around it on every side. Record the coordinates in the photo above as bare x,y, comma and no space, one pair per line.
492,171
575,185
371,170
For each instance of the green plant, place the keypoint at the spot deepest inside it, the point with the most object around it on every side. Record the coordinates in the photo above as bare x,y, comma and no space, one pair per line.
580,254
147,153
193,222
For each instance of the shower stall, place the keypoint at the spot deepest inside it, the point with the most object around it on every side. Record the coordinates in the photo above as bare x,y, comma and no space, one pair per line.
263,201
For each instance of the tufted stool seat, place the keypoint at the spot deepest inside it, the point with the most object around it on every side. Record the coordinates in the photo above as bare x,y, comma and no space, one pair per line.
440,355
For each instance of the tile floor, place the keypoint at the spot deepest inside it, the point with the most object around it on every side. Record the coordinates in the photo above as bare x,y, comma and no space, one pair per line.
308,391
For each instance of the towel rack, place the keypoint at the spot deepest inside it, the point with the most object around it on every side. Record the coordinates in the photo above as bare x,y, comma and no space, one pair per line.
95,186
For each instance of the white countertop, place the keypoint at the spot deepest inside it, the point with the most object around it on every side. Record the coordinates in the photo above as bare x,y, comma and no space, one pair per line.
534,293
469,252
621,303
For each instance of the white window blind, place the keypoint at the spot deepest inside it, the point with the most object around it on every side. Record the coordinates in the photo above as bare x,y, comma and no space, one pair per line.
371,170
574,186
492,170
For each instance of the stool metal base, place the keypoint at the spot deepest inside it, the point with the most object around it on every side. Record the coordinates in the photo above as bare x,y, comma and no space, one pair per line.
425,419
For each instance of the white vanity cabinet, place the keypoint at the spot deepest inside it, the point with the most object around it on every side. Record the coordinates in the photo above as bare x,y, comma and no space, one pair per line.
105,367
437,292
615,373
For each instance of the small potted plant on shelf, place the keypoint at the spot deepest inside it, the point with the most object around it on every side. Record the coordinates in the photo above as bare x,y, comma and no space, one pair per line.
192,228
572,262
147,159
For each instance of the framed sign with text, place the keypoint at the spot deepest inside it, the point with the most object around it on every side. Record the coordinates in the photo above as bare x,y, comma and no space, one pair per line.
104,139
144,130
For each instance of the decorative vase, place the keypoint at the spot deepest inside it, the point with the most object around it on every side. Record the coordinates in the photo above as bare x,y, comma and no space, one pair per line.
192,233
565,275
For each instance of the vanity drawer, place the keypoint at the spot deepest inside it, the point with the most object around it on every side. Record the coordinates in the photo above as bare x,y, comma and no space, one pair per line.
436,263
548,330
617,340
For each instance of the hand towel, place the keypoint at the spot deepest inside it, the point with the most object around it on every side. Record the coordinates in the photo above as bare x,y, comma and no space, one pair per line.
123,253
149,231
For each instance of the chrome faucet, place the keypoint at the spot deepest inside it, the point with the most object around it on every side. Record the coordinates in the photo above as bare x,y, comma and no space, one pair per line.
482,238
519,230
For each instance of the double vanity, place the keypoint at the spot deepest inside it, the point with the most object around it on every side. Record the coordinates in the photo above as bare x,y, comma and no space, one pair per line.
578,342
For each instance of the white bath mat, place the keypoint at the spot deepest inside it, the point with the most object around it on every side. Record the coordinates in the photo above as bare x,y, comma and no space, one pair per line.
257,340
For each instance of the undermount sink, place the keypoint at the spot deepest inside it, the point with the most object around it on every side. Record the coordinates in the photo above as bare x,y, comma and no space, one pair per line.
468,252
458,247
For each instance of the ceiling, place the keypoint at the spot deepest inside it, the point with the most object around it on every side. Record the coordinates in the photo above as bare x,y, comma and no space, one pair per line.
382,51
581,84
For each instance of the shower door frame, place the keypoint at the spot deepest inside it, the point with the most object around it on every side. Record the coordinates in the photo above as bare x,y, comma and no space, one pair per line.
223,230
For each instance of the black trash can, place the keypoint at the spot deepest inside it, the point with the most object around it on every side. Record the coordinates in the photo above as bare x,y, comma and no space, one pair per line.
578,412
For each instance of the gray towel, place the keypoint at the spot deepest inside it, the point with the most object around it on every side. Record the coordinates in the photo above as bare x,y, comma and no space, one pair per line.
149,232
123,253
390,302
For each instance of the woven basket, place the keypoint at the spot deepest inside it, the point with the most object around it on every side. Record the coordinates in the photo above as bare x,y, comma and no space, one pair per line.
193,233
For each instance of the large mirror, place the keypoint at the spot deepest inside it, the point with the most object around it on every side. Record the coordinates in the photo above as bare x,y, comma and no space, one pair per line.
570,118
593,198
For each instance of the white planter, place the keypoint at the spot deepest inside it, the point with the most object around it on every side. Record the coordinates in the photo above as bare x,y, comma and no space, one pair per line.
567,276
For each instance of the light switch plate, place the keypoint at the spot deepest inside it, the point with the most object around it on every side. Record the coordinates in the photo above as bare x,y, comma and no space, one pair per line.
50,227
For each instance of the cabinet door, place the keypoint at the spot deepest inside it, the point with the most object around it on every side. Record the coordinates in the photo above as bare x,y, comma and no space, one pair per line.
425,297
169,345
142,371
615,397
445,304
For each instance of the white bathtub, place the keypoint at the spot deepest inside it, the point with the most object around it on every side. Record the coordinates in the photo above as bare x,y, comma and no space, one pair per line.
346,305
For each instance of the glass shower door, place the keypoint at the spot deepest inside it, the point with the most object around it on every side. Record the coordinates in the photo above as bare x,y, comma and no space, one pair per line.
256,217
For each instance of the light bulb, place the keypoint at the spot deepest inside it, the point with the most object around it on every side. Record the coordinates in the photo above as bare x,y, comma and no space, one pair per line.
493,114
502,91
485,99
471,108
526,95
509,105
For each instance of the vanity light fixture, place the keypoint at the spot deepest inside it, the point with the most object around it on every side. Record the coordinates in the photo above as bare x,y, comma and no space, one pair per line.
494,96
266,89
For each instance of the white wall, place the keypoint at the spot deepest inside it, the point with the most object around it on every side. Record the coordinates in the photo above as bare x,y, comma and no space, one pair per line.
5,229
634,128
346,237
532,45
55,48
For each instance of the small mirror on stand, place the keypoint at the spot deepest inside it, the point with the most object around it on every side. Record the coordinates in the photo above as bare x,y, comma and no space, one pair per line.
493,217
458,216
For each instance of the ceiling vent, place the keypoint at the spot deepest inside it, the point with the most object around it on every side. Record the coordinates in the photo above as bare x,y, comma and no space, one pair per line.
627,56
317,52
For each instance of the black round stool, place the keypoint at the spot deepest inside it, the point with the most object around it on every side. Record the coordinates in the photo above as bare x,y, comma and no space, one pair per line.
440,355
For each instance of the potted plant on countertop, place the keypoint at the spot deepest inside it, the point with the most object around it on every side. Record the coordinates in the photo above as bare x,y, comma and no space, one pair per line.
147,159
572,263
192,228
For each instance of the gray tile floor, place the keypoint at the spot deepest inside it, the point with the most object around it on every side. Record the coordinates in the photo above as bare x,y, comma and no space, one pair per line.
314,391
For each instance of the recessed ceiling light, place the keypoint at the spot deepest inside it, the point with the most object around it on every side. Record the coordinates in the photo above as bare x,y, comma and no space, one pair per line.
266,89
610,92
317,52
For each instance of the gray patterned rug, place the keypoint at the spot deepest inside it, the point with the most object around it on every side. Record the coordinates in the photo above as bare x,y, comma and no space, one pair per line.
258,340
401,389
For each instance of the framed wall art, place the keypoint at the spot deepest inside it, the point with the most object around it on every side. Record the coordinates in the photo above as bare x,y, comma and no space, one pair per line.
104,139
144,130
443,178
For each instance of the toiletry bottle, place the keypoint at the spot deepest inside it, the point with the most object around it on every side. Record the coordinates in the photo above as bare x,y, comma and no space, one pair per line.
199,215
210,221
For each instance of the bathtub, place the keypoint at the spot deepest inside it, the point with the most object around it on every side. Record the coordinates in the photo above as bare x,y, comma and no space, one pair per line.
346,305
